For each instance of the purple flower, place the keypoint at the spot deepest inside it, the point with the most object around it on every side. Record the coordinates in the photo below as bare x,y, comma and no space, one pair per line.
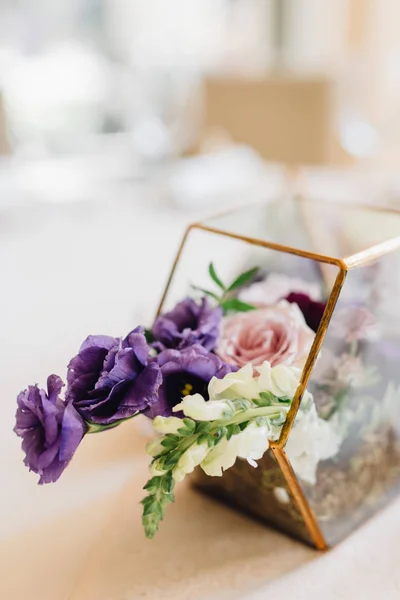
112,379
311,309
184,372
187,324
51,429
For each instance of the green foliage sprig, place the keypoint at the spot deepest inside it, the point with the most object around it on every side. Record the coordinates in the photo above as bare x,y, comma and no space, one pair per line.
266,410
226,298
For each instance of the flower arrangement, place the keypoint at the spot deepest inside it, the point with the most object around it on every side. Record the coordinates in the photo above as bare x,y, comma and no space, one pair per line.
217,376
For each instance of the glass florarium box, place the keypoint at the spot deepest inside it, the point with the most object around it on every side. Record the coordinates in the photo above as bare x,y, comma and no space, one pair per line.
335,463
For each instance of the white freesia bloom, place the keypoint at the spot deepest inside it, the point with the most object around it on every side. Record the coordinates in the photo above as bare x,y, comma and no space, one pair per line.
241,384
311,440
250,444
189,460
281,380
197,408
167,424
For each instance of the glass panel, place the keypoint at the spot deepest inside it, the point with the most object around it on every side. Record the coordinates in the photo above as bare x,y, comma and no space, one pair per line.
333,230
356,388
231,257
261,492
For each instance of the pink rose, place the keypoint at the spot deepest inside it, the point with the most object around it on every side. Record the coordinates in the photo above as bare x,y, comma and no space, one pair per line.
277,333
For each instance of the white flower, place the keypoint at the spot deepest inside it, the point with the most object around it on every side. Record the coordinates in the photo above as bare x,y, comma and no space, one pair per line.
156,469
167,424
154,447
250,444
190,459
241,384
197,408
311,440
281,380
276,287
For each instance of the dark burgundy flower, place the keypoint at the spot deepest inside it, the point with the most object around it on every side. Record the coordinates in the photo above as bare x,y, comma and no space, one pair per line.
187,324
112,379
184,372
51,430
311,309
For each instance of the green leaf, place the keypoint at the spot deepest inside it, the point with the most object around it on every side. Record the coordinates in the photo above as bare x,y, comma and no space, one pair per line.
235,429
242,279
167,443
229,431
242,405
202,438
203,427
236,305
221,433
154,504
206,292
172,458
190,424
265,399
215,277
149,336
152,485
167,484
184,431
189,427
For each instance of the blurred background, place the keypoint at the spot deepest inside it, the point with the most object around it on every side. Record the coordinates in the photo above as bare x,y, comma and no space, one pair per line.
202,100
121,121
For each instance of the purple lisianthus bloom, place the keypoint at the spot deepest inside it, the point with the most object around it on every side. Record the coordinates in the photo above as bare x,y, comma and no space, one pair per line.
187,324
311,309
51,429
185,372
112,379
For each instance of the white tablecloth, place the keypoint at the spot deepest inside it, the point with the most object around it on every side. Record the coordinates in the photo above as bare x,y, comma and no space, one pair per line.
70,270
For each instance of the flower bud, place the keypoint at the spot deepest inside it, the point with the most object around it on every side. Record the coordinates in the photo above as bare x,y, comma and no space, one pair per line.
167,424
240,384
157,468
281,380
189,460
199,409
154,447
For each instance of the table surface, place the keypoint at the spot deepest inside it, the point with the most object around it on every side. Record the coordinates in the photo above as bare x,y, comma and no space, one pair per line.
71,269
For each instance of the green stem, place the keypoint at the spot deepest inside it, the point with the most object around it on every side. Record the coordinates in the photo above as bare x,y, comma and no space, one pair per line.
353,347
97,427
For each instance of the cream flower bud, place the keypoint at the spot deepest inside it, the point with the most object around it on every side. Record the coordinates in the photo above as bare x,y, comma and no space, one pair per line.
199,409
240,384
189,460
281,380
167,424
156,469
154,447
